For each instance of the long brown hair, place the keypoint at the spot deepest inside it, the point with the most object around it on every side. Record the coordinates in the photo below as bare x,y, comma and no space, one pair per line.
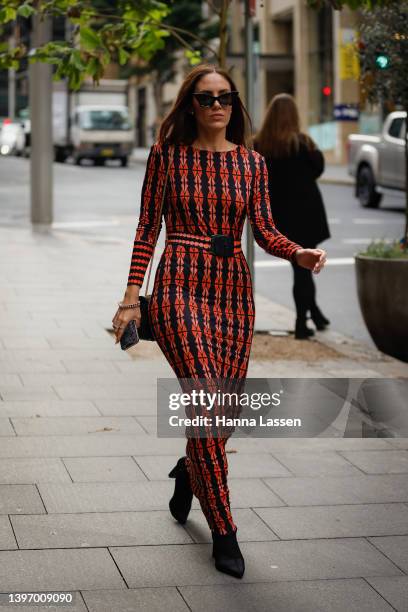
179,125
280,133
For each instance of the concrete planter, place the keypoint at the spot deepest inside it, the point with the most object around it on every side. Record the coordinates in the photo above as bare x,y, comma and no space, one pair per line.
382,286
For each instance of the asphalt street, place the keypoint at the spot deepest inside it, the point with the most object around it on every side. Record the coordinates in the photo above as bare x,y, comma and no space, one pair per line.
102,205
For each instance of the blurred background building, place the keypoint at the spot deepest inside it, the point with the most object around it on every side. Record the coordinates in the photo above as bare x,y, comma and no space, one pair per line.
297,49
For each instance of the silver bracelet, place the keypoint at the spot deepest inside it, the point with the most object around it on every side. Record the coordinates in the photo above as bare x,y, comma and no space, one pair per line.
123,306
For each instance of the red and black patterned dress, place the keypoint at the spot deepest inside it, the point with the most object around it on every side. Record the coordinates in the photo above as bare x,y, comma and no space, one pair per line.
202,306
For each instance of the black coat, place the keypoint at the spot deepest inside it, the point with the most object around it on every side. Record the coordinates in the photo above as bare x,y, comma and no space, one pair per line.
296,202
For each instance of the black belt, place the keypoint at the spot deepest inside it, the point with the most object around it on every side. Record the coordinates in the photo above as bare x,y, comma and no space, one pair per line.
218,244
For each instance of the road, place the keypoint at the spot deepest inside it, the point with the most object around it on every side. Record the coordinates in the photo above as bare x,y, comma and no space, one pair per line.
102,204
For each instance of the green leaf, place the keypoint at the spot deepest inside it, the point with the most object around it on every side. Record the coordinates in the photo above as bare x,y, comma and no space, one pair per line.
89,39
123,56
25,10
75,60
193,56
7,14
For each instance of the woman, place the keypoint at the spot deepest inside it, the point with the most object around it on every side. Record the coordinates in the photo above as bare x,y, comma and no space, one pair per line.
294,163
202,307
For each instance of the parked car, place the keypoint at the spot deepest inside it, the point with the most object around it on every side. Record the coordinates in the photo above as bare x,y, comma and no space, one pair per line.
99,132
378,162
92,123
12,138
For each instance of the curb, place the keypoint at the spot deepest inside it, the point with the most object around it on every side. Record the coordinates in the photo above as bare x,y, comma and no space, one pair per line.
335,181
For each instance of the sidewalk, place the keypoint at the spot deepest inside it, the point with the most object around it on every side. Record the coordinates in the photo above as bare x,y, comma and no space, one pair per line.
83,477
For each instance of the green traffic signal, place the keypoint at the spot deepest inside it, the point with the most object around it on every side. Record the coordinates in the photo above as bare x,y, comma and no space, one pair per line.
382,61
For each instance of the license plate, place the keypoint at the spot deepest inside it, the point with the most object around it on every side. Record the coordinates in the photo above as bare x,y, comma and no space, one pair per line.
107,152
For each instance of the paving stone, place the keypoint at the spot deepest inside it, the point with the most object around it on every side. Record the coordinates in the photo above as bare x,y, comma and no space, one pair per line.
106,497
379,462
21,365
394,589
64,340
20,470
77,605
103,469
76,425
27,393
7,539
353,595
155,495
9,380
95,392
249,492
250,527
55,570
149,424
90,354
264,562
6,428
395,548
316,463
96,445
23,499
74,366
399,442
97,530
160,369
77,379
24,342
327,490
143,404
239,466
336,521
299,445
130,600
48,408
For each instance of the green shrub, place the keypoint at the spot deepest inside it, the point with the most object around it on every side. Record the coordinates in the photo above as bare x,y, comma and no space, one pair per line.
386,250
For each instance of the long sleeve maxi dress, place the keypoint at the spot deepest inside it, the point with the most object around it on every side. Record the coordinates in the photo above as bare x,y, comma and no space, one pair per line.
202,307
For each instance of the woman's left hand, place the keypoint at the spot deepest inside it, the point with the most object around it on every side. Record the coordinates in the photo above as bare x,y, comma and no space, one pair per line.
312,259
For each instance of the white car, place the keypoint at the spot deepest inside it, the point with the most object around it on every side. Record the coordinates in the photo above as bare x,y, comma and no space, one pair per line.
12,138
378,162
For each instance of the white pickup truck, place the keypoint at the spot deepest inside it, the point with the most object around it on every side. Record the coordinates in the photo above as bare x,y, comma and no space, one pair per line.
378,162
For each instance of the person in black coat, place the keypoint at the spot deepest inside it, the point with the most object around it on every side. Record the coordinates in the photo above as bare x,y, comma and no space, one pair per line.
294,163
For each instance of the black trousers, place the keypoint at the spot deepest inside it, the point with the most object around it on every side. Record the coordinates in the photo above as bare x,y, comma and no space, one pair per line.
304,290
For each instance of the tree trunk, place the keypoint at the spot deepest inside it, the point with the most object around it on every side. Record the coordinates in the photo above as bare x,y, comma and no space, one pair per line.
222,51
158,99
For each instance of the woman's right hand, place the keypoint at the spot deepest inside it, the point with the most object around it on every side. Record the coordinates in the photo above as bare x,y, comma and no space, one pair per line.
124,315
122,318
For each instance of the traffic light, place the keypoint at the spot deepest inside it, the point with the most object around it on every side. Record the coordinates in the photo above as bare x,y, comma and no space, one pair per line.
382,60
326,91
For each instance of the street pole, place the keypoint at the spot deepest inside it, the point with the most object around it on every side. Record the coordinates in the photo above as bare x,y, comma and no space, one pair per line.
11,110
42,155
249,97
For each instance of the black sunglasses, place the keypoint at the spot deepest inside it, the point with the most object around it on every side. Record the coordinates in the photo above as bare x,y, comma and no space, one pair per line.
206,100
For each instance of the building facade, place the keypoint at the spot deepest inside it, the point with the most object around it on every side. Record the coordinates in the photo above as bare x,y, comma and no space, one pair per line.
310,55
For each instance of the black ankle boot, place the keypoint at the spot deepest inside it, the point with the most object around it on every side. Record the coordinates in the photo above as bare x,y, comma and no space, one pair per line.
180,503
318,318
228,557
302,331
